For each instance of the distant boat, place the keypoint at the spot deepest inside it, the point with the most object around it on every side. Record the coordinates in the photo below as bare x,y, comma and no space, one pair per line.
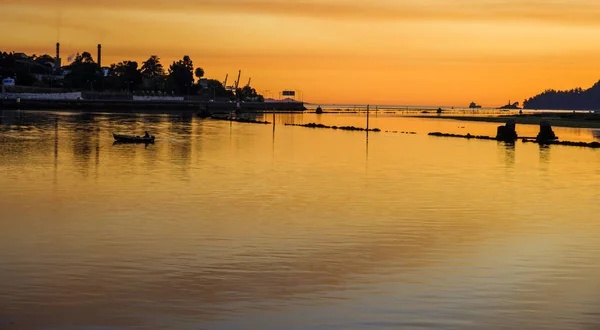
133,139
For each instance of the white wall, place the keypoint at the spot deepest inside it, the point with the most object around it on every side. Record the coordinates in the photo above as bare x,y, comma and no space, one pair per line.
42,96
157,98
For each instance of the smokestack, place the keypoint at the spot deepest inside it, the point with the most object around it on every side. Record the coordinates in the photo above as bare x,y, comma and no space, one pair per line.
100,56
57,61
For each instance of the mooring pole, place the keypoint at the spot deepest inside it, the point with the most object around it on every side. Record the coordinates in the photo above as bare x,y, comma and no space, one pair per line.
367,117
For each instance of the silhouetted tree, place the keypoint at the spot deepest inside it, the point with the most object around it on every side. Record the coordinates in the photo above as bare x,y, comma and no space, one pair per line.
574,99
248,93
153,74
24,67
199,73
85,57
181,74
83,73
215,89
125,75
152,68
45,59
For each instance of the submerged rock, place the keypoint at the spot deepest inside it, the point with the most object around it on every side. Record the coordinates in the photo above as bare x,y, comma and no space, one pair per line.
546,133
508,132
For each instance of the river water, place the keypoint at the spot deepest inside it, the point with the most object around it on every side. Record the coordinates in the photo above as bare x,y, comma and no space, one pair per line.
223,225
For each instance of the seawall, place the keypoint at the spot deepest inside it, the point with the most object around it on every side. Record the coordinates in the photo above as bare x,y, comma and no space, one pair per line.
141,106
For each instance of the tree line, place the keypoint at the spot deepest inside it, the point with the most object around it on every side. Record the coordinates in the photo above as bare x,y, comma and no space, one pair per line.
574,99
83,73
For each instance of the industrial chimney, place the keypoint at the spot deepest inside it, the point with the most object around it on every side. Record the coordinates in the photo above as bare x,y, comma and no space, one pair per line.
100,56
57,61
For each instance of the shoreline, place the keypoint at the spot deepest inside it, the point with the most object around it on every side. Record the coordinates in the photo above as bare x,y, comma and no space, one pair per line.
132,106
559,120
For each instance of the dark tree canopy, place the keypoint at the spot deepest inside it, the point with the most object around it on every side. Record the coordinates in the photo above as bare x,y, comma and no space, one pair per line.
85,57
181,74
199,73
248,93
125,75
215,89
152,68
83,74
45,60
22,68
574,99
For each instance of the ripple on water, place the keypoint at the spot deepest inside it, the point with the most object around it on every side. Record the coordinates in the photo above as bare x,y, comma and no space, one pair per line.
240,226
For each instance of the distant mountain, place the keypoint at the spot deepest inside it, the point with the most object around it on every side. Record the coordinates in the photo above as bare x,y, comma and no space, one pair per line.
574,99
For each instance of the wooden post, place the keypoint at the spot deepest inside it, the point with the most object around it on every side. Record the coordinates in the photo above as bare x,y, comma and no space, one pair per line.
367,117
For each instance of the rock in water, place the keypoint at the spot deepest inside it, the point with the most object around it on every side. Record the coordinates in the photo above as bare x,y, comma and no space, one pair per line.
546,133
508,132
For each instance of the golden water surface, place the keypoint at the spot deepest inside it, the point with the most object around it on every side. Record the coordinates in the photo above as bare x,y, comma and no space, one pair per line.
223,225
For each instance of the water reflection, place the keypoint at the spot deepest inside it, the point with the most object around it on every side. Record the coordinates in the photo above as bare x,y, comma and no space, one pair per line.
88,134
274,120
180,147
196,230
509,154
367,146
545,153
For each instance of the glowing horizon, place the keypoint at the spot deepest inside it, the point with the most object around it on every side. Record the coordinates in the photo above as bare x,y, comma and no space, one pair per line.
429,52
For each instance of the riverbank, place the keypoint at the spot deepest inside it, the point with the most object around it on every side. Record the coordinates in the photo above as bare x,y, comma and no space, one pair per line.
578,120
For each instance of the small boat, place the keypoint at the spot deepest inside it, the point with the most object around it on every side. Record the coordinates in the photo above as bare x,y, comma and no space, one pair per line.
133,139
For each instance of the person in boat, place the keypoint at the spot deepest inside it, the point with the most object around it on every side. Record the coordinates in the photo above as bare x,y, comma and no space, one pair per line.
146,135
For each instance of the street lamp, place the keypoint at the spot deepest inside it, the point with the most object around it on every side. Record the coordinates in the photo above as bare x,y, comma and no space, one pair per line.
301,95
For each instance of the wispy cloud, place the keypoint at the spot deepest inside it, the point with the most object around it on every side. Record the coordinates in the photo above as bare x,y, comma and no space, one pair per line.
580,12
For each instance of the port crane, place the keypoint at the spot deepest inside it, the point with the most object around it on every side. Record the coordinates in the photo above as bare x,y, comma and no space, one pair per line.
237,82
248,84
225,82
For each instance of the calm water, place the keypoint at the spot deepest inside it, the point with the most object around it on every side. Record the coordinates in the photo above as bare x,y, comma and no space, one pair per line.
243,226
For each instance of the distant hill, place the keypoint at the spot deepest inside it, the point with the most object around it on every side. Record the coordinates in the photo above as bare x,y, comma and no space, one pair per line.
574,99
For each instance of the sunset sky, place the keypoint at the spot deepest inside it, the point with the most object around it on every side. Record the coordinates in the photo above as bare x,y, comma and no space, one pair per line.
402,52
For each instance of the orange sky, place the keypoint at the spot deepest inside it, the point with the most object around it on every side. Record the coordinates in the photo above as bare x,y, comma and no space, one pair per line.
404,52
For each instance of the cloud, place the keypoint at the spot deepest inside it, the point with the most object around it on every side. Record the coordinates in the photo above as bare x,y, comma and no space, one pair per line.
575,12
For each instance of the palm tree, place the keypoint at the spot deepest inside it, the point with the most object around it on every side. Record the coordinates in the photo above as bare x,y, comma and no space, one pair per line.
152,68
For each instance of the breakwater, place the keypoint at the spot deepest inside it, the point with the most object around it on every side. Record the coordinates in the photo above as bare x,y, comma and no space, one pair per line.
401,132
240,120
467,136
143,106
525,140
566,143
344,128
